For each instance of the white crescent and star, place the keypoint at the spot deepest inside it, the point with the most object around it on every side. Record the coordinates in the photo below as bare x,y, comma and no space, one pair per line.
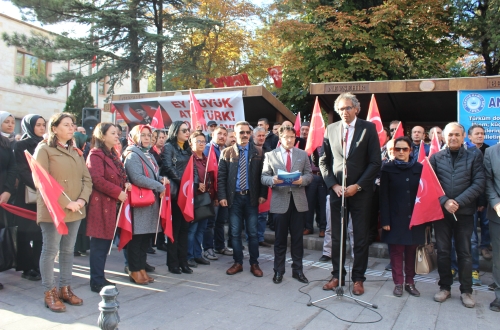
184,187
127,213
377,119
154,121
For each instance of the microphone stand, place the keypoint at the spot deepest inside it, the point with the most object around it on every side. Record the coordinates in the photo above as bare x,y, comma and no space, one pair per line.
339,291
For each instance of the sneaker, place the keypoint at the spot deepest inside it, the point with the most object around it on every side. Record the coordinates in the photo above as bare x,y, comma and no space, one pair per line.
192,263
475,278
442,295
467,300
454,273
388,267
210,255
225,251
486,253
495,305
493,286
325,258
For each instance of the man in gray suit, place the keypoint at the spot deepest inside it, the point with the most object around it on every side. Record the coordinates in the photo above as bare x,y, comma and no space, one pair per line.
355,141
492,171
288,203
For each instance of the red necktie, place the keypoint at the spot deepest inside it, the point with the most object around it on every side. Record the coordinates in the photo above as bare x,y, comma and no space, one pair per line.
288,162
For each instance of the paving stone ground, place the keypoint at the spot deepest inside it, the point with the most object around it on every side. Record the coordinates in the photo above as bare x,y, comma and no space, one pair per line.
210,299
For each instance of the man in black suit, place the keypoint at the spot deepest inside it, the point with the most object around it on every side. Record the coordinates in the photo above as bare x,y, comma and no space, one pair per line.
362,160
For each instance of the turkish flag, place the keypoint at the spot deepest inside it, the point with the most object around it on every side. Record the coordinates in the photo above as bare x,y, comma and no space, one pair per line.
166,214
228,80
196,112
399,132
277,74
297,125
19,211
212,165
113,108
125,223
157,121
245,78
316,130
217,82
266,206
427,207
374,117
50,190
421,152
238,80
435,145
185,198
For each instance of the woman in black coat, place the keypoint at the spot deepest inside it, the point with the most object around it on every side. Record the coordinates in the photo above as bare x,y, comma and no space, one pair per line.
399,183
28,255
175,157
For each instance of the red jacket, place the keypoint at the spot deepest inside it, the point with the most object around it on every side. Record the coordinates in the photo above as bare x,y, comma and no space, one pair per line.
107,185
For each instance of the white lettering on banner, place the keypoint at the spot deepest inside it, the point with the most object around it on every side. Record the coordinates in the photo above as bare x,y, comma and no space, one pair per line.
225,108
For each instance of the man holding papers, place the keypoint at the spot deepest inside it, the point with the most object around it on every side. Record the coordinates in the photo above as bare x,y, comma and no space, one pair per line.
288,202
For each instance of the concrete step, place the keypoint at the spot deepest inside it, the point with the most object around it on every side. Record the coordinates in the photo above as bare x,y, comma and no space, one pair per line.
377,249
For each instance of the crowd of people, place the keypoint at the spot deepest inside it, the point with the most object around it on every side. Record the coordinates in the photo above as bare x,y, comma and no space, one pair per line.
375,186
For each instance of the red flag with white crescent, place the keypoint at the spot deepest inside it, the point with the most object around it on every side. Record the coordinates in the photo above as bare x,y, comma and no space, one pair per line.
427,206
316,130
374,117
277,74
157,121
212,165
125,224
185,196
421,152
197,117
399,132
297,125
50,190
435,146
166,214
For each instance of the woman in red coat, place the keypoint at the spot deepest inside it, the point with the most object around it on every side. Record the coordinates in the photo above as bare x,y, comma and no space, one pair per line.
109,180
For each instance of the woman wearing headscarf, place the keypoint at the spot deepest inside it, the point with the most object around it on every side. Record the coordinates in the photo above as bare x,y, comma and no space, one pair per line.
7,125
175,156
109,183
66,165
29,235
399,181
8,173
142,171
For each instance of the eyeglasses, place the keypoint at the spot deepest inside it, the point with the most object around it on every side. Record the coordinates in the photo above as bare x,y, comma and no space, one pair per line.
184,130
406,149
291,137
345,109
245,132
393,129
201,142
144,135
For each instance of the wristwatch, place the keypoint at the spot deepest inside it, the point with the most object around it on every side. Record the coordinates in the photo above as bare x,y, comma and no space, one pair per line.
359,187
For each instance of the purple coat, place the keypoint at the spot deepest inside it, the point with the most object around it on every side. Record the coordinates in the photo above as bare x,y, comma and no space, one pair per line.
107,185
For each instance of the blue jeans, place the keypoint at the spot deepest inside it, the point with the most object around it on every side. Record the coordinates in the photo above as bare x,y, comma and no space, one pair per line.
241,211
261,225
195,238
485,228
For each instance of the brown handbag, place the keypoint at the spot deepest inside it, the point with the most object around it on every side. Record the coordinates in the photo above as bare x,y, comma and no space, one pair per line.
426,255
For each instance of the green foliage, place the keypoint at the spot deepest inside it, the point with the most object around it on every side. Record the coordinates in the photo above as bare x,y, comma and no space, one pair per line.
79,98
120,36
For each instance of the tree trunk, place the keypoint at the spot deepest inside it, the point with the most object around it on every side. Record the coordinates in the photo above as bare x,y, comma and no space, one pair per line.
159,47
135,77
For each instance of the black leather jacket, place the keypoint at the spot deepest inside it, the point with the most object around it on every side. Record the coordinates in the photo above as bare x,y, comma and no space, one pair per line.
174,162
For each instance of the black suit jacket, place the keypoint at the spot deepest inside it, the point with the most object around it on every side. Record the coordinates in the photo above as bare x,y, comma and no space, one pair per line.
363,161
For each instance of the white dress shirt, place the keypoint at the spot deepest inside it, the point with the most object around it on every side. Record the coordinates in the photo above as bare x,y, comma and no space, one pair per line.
351,133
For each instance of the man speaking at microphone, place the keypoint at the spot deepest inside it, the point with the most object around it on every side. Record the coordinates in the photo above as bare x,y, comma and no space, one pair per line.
362,163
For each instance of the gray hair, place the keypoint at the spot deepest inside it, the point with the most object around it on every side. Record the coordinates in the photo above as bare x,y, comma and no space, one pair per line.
347,96
258,129
453,123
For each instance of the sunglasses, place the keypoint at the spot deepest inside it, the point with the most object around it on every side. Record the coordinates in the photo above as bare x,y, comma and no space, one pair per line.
393,129
245,132
405,149
184,130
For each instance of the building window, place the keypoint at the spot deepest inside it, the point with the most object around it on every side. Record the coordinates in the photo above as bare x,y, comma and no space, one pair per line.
30,66
101,87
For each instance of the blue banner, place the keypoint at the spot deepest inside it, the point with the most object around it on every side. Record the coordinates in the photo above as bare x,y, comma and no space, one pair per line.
481,107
